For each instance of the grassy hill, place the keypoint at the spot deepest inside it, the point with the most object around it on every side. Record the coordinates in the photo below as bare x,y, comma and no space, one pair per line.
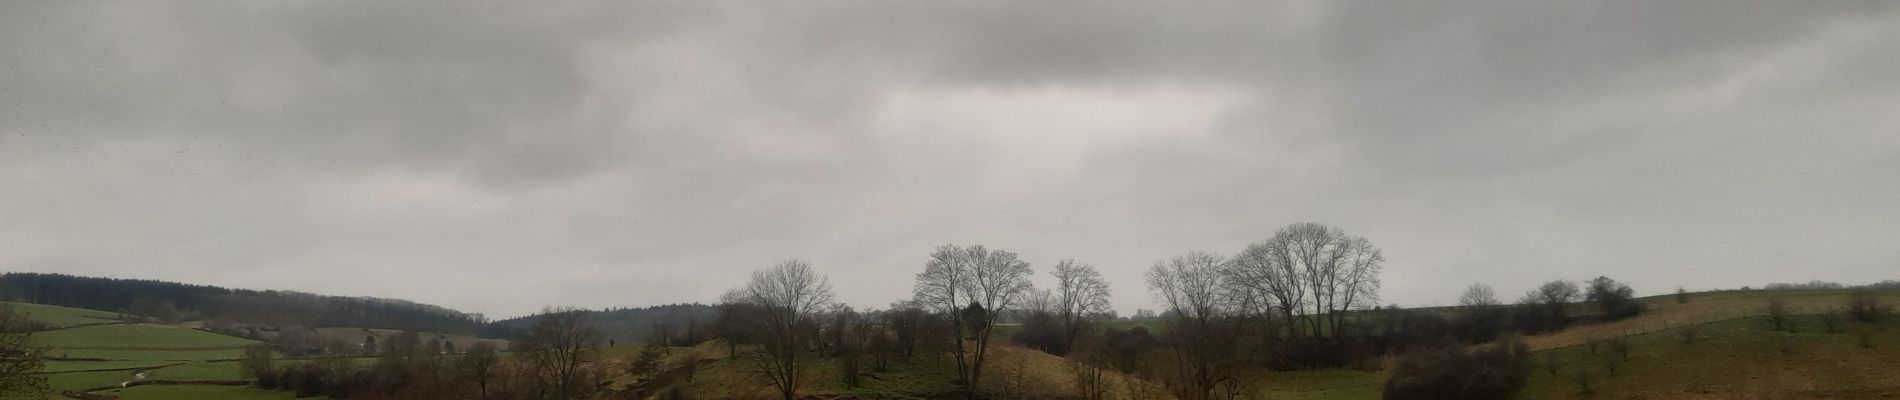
92,349
1730,352
62,317
1732,359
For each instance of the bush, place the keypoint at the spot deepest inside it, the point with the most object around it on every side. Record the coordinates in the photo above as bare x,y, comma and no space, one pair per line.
1124,349
1300,354
1864,306
256,364
1042,332
1490,372
1616,299
1090,375
1480,324
1831,321
1620,346
1778,313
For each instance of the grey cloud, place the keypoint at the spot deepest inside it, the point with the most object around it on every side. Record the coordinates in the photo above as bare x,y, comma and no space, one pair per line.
643,153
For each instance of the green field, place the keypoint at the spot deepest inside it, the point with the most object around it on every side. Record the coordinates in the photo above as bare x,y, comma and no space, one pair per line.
138,337
61,317
175,351
1737,358
1733,353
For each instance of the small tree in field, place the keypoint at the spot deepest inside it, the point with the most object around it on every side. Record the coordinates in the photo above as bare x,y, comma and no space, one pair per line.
1682,296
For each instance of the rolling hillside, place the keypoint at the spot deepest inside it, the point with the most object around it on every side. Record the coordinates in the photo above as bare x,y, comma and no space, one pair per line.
1729,351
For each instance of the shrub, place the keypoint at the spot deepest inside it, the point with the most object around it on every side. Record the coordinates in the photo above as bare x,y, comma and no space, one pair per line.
1042,332
256,364
1488,372
1314,353
1778,313
1620,346
1864,306
1124,349
1616,299
1687,333
1091,378
1480,324
1831,321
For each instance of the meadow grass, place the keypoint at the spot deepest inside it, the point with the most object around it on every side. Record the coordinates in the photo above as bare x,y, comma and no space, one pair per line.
60,317
138,337
1737,358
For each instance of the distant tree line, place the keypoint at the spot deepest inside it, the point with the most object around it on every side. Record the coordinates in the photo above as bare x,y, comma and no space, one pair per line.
676,324
176,301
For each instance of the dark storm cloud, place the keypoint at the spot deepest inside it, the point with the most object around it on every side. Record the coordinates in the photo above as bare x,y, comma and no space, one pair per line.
503,156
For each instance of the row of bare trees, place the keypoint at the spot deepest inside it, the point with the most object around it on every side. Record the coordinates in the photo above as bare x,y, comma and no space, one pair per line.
1307,273
784,316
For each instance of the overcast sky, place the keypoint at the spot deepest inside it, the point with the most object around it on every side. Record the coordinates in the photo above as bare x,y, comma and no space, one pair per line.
503,157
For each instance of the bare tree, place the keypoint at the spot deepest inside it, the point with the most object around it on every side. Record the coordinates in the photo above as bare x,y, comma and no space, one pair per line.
1309,270
1199,329
1081,293
557,347
1478,295
989,282
1551,302
1265,280
479,366
787,296
1038,301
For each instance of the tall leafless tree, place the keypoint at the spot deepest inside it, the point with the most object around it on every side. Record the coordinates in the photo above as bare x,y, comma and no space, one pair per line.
992,281
1199,331
480,366
1081,293
787,296
1265,281
557,348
